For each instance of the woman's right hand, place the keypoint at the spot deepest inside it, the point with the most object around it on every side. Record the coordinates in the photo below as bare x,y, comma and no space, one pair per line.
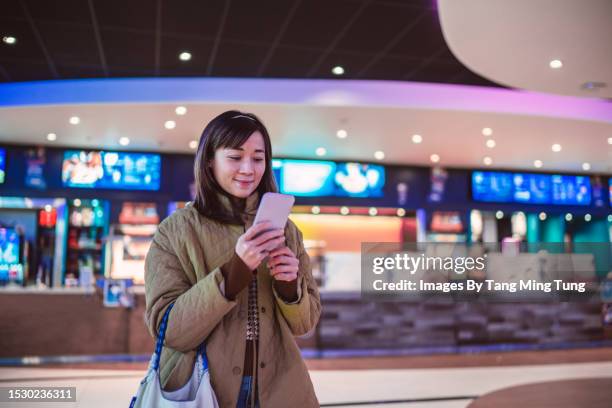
254,245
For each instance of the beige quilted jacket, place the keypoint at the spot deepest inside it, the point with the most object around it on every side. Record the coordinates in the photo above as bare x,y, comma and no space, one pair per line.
183,266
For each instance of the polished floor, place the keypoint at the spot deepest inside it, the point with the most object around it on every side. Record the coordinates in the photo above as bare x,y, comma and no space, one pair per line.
416,382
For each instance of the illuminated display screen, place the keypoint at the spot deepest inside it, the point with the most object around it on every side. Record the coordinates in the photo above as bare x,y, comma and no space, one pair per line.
574,190
11,270
327,178
359,180
112,170
2,164
9,246
492,186
307,178
530,188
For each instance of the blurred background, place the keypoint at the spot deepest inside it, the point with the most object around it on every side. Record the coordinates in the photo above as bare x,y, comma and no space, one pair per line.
407,121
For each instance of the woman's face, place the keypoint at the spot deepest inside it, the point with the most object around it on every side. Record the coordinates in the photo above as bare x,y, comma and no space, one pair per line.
238,171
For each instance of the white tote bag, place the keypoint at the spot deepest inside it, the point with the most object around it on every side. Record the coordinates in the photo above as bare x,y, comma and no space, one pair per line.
196,393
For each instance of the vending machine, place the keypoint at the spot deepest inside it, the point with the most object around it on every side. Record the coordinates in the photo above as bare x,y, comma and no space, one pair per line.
87,229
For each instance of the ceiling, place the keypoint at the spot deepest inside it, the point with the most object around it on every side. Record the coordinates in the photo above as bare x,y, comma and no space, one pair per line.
513,42
370,39
297,131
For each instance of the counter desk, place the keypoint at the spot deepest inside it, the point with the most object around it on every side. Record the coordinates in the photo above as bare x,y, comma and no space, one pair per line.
74,321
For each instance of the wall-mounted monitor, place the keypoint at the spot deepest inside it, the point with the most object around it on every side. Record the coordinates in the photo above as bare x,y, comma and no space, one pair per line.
530,188
311,178
492,186
573,190
307,178
2,164
359,180
111,170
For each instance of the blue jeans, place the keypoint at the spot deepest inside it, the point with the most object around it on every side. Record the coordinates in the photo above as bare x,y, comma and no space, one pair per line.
244,397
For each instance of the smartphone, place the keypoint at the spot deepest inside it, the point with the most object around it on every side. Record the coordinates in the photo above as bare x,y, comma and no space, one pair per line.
274,207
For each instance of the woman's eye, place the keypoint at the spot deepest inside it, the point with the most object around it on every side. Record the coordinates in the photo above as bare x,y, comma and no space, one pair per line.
259,160
234,158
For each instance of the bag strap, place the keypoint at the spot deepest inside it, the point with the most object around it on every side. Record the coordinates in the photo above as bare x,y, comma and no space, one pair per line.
161,335
202,352
160,342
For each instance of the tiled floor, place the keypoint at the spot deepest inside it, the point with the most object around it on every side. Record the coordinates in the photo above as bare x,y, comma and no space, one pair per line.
114,388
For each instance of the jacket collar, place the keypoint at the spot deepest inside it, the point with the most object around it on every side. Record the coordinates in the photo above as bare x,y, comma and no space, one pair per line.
250,209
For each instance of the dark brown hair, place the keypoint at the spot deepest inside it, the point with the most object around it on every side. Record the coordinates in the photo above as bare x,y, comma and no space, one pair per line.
230,130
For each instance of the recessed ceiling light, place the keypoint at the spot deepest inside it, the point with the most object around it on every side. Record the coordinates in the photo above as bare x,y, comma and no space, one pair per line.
537,164
315,209
185,56
587,217
434,158
51,137
344,210
180,110
490,143
487,131
321,151
9,39
555,64
338,70
342,134
170,124
610,140
193,144
372,211
379,155
586,166
417,139
499,215
124,141
542,216
568,217
74,120
487,161
556,148
77,202
401,212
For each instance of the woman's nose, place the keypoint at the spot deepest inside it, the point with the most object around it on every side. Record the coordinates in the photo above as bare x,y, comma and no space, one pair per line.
246,166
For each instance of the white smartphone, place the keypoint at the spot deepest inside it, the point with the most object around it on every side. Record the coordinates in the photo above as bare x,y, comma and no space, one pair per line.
274,207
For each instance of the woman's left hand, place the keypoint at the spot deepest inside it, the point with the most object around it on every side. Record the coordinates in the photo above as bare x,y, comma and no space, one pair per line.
283,264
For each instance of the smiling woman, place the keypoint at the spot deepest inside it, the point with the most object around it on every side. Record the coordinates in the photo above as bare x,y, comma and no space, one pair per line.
233,159
207,263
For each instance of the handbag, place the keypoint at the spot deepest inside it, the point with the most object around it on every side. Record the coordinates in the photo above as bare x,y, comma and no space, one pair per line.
197,392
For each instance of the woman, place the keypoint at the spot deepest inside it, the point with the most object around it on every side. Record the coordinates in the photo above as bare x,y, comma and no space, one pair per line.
245,290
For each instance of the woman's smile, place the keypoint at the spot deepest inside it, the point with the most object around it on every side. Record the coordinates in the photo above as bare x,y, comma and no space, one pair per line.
243,183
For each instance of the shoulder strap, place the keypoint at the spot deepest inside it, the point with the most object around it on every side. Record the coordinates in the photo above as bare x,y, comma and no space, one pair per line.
161,336
160,342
